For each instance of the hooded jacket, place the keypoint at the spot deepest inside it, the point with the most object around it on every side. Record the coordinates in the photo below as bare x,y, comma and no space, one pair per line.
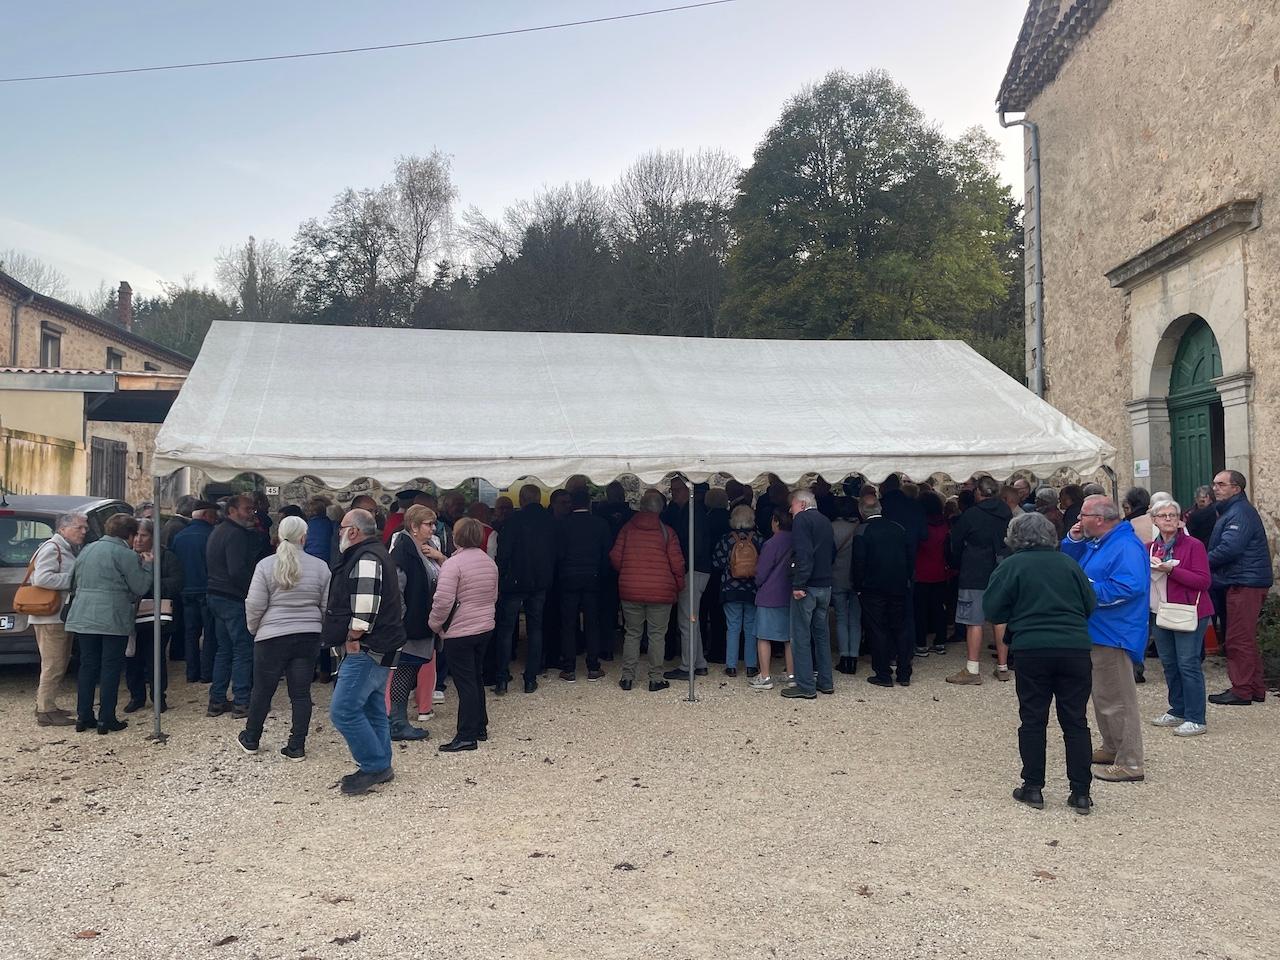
1118,567
977,542
1238,552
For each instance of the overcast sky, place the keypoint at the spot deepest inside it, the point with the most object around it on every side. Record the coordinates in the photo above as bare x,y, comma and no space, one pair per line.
146,177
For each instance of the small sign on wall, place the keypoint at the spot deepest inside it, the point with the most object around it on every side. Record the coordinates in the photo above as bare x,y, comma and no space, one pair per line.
273,491
1141,468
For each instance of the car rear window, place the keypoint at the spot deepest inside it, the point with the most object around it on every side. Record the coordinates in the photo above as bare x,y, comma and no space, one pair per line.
20,537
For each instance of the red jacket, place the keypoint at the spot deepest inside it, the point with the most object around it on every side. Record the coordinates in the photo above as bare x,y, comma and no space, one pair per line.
931,554
648,560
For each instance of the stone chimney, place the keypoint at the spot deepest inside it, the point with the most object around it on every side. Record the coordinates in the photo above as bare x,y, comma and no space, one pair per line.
124,305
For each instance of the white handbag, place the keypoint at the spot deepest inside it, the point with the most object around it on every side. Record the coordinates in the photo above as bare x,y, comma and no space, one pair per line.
1178,617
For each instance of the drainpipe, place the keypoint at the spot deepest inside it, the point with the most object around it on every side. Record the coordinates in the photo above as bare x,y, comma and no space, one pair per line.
13,326
1036,251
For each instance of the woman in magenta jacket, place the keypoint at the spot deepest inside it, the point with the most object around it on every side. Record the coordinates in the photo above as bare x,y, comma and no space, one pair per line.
1180,574
463,613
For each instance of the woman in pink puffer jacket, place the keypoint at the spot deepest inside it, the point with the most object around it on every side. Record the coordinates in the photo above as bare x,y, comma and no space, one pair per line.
463,613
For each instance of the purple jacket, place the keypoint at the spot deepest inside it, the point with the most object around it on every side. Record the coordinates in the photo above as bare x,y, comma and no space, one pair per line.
1191,576
773,571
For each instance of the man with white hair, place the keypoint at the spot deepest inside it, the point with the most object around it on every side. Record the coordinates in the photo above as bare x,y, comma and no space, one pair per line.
51,568
364,614
813,548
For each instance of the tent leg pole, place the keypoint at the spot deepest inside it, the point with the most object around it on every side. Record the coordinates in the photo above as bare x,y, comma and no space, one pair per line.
693,606
1115,484
157,651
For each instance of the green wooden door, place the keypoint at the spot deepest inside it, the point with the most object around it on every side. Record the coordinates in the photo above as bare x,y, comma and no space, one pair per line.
1195,411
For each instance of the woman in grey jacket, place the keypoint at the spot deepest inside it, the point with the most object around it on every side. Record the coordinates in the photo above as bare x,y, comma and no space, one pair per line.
108,580
284,611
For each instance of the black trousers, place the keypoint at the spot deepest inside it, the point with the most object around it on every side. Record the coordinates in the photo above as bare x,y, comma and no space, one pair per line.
101,660
466,663
884,624
931,612
138,670
1064,676
294,657
610,607
572,601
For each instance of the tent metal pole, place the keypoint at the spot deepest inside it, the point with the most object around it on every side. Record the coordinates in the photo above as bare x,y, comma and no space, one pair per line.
157,651
693,607
1115,484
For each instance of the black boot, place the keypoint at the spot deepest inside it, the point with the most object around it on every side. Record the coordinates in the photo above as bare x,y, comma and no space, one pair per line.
401,728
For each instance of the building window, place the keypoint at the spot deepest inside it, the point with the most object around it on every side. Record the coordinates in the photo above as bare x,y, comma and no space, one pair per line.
115,359
151,367
50,345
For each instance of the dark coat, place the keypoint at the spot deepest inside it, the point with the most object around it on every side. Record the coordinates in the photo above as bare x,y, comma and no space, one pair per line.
1238,551
527,550
883,558
813,545
677,518
191,545
906,513
419,589
230,555
582,552
977,542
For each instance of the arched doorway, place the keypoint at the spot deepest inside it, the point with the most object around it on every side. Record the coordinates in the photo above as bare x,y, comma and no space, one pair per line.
1195,411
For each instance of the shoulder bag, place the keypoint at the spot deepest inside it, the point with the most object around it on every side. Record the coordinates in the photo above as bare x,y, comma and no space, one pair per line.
37,601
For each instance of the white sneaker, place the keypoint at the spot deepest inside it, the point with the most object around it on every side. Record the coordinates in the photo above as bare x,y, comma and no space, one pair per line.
424,717
1166,720
1189,729
437,696
762,683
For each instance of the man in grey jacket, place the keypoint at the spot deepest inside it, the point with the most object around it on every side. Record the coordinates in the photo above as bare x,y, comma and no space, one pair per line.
52,567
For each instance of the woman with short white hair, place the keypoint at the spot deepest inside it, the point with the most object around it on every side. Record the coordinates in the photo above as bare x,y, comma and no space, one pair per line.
284,611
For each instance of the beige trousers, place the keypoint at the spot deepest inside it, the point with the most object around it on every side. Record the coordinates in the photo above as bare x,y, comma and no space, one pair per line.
1115,706
55,653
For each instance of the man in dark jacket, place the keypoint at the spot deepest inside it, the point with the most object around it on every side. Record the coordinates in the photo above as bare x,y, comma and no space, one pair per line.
582,555
977,544
883,565
615,512
526,567
230,555
364,613
199,635
908,513
1240,562
813,546
693,655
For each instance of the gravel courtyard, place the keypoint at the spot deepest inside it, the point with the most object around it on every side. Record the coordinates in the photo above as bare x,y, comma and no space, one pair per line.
601,824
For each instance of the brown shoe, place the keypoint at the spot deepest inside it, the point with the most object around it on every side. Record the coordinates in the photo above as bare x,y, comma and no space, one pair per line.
1118,774
1004,676
54,719
965,678
1103,758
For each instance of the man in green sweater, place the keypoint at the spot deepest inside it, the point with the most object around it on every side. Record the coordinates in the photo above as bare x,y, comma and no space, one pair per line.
1045,599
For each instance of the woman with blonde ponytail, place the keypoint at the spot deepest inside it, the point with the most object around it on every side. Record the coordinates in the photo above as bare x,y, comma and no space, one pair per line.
284,611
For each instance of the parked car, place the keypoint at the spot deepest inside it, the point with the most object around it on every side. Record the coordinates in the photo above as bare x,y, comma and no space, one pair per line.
26,523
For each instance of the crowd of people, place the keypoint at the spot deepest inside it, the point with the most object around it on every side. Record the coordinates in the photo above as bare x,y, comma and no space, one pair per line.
1071,587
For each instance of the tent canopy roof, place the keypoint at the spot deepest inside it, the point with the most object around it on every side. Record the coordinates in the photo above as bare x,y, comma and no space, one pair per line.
395,405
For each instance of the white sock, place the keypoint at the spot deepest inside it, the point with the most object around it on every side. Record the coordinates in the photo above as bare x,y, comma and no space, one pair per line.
973,666
1002,667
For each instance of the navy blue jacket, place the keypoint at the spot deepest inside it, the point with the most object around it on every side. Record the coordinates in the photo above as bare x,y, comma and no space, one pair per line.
813,545
189,545
1238,552
906,513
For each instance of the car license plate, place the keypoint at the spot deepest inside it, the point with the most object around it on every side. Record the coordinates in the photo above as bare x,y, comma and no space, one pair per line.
6,623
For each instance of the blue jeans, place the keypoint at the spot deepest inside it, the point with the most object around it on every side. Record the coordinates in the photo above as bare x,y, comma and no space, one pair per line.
848,622
359,711
741,619
1180,657
197,621
233,661
811,639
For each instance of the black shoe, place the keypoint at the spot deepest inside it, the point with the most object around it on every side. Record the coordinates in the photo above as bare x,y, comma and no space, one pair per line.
656,685
111,726
730,671
568,676
484,736
701,671
596,674
247,745
218,709
844,666
1080,803
939,648
827,690
530,686
361,782
293,753
795,693
164,705
133,706
905,683
1031,796
677,674
608,657
880,681
1228,698
239,712
90,724
624,683
500,688
753,672
1261,699
455,745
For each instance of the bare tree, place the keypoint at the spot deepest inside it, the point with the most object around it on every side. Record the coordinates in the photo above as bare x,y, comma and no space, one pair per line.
35,273
421,208
258,277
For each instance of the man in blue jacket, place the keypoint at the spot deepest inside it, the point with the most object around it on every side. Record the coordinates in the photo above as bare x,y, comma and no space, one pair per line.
1240,562
1117,565
189,544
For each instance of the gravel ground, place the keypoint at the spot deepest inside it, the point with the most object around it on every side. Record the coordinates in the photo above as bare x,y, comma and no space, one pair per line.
598,824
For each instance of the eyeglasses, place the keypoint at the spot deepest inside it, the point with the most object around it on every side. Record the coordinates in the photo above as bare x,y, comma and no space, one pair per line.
1164,516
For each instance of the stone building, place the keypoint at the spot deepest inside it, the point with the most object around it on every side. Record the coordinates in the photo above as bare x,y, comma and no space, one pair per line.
73,389
1159,128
